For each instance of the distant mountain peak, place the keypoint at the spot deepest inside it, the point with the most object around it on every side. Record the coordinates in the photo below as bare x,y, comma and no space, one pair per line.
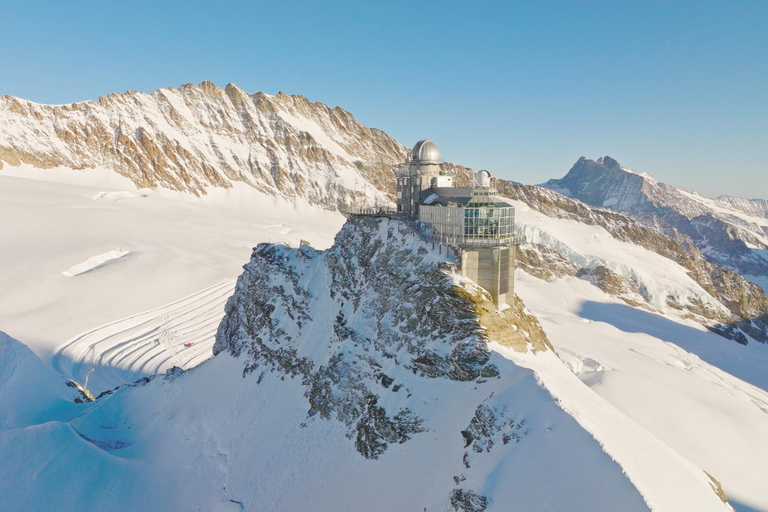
609,162
730,232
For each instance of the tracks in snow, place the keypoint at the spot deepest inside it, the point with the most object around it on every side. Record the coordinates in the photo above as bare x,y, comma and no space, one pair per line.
146,343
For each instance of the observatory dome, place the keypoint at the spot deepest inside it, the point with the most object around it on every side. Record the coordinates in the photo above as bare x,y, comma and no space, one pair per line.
425,151
483,178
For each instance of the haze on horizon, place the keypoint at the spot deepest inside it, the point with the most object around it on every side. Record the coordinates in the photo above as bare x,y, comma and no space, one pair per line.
521,89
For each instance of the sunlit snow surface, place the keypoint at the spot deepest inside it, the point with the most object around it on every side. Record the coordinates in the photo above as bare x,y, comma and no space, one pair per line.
647,367
179,246
95,262
641,377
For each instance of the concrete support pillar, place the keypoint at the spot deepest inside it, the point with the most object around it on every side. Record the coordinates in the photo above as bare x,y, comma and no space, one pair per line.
493,268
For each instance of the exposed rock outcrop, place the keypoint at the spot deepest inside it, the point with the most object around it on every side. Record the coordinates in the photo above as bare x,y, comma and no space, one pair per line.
385,300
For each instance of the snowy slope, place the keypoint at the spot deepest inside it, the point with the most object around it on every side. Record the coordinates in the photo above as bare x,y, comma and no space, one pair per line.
592,246
179,246
666,373
30,392
178,334
379,394
747,303
211,438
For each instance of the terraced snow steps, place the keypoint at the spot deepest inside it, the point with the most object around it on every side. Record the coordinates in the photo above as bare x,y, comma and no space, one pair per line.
178,334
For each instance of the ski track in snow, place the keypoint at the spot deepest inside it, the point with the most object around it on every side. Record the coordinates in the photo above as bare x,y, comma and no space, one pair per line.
147,343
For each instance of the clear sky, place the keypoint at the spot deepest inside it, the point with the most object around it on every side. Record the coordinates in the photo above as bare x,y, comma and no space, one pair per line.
678,89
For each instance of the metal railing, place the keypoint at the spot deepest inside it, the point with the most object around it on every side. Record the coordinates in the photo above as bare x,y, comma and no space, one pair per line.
419,227
461,241
370,211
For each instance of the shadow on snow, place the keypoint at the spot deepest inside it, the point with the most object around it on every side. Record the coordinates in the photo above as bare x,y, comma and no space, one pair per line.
745,362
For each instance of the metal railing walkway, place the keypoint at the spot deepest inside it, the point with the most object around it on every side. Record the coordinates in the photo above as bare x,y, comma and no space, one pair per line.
460,241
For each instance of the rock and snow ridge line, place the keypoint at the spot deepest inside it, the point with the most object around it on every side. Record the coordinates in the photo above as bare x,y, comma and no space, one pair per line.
738,305
730,232
195,138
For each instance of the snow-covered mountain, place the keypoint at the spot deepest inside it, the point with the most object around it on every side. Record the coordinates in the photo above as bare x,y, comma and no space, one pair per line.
365,376
197,137
370,376
729,231
727,303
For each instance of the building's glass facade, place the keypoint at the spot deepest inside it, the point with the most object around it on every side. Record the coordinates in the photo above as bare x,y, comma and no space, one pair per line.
479,222
488,221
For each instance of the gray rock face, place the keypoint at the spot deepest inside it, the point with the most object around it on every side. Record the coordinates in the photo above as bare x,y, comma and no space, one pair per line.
383,302
382,339
715,226
197,137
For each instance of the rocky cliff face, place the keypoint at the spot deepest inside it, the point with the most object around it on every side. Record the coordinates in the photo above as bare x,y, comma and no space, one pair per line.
196,137
731,232
386,304
745,304
382,333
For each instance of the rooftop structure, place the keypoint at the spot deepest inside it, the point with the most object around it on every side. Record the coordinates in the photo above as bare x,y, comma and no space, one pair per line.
476,220
426,152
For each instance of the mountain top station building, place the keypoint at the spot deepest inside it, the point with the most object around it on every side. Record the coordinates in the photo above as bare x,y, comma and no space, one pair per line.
475,220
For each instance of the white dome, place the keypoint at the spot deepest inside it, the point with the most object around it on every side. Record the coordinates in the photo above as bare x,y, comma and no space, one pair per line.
483,178
426,152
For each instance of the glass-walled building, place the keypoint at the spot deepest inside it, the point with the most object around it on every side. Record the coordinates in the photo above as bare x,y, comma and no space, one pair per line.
473,216
475,221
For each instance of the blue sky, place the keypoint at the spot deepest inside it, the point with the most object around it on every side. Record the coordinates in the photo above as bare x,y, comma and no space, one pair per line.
676,89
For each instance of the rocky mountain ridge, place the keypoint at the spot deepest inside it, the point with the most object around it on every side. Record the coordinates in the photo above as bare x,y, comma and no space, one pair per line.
391,299
745,304
195,137
731,232
395,317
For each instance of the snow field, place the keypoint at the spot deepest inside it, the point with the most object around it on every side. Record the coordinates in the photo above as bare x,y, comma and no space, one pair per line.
179,246
666,480
712,418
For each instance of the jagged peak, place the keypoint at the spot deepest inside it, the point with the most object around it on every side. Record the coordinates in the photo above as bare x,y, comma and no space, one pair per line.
603,164
321,146
609,162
